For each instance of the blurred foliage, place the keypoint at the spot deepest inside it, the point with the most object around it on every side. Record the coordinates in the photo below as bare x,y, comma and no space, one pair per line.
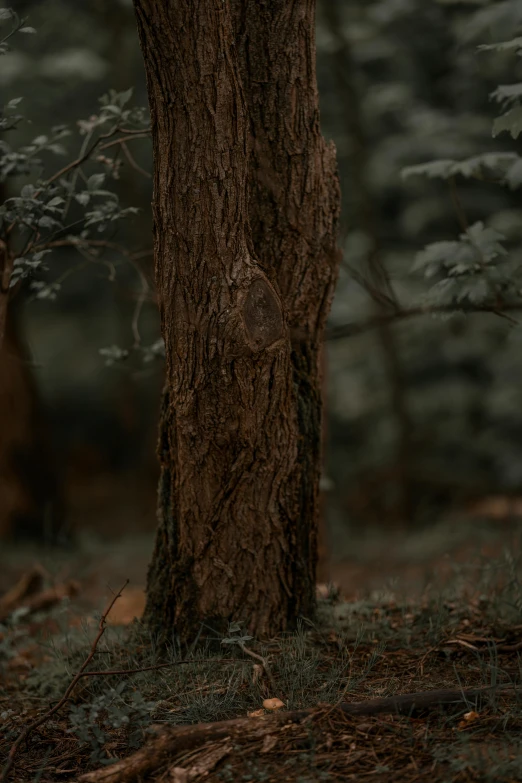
97,290
422,101
422,98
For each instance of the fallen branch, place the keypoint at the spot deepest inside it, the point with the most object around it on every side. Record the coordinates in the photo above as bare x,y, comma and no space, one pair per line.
28,595
466,642
171,740
410,703
51,596
29,583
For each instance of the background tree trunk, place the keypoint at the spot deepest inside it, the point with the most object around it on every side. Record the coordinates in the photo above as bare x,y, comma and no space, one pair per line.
31,503
245,206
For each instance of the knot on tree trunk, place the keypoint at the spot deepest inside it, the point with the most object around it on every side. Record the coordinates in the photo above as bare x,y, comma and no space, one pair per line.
262,315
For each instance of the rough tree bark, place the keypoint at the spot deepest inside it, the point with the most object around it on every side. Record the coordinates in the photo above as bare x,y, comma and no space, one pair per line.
294,205
246,202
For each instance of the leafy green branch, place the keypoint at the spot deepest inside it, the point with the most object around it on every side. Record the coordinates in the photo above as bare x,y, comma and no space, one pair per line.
476,272
36,220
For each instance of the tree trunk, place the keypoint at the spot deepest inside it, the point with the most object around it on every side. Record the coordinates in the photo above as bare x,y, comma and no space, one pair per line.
245,207
294,205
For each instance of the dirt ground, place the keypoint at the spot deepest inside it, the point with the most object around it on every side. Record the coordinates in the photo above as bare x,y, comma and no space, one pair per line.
406,562
339,685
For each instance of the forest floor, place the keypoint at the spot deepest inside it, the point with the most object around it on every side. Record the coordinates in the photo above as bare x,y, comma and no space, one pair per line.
410,671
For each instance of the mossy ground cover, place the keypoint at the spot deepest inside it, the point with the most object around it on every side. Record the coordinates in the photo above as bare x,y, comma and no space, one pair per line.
461,632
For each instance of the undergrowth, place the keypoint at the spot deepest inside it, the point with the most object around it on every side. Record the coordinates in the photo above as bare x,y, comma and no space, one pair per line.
463,635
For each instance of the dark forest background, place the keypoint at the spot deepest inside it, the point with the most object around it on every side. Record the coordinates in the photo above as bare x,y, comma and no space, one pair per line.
424,413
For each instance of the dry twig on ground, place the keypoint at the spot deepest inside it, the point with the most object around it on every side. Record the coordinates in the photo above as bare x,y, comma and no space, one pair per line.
172,740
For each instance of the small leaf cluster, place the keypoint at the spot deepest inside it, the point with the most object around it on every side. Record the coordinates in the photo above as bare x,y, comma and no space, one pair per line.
69,206
116,355
502,167
113,354
423,100
26,161
235,636
509,96
17,25
466,271
118,708
472,270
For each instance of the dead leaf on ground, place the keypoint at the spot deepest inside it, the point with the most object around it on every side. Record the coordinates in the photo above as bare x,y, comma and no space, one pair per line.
498,507
468,717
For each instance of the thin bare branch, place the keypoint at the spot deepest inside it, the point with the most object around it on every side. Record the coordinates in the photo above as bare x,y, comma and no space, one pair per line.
352,330
133,163
97,144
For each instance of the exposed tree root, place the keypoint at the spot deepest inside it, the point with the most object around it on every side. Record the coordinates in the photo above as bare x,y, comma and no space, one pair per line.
170,741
